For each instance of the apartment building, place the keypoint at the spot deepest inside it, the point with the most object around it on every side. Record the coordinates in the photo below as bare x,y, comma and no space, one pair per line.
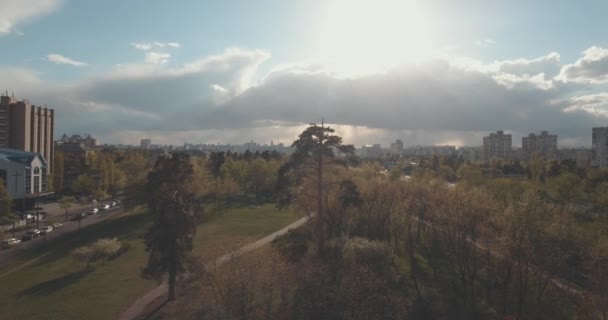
26,127
544,145
497,145
599,147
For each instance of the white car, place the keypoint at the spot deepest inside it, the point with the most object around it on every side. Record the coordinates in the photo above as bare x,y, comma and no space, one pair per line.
94,210
10,242
46,229
57,225
105,207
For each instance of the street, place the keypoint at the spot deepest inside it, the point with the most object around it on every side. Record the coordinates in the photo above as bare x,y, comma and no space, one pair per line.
54,214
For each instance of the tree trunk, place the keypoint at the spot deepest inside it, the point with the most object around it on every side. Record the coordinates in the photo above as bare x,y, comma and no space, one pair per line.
320,192
172,276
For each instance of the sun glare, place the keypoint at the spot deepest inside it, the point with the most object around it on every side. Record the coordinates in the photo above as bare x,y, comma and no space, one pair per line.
369,36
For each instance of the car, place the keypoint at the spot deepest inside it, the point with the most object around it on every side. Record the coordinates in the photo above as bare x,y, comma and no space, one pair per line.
80,216
92,211
31,234
26,215
105,207
46,229
57,225
114,204
10,242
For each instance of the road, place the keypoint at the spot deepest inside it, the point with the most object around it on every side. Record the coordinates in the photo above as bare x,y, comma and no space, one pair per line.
140,304
68,227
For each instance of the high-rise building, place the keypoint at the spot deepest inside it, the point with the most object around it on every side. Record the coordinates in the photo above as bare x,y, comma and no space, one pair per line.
599,147
544,145
26,127
397,147
497,145
145,144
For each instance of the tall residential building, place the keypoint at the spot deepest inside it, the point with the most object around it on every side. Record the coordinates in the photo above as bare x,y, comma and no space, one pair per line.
544,145
145,144
497,145
26,127
599,147
397,147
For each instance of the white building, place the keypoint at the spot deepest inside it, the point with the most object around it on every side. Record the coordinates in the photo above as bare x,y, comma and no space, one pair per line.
24,173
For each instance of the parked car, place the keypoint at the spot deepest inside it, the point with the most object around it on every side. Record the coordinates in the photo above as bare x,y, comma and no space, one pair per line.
35,233
46,229
113,204
79,216
26,215
57,225
31,234
105,207
10,242
92,211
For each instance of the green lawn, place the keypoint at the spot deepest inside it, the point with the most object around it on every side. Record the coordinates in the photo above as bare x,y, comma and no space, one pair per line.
57,287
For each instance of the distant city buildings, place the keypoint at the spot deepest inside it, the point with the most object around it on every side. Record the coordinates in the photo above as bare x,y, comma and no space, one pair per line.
469,153
87,140
372,151
544,145
427,151
497,145
145,144
397,147
582,156
599,147
26,127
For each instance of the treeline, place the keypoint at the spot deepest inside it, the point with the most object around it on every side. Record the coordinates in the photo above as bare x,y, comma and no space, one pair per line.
381,247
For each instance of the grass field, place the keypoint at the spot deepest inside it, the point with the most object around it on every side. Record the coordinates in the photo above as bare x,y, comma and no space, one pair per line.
58,287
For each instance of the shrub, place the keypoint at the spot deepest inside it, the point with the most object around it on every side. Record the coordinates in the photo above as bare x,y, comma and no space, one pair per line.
101,250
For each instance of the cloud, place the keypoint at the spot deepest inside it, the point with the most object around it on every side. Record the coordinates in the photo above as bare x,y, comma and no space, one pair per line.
591,68
145,46
549,64
17,12
595,104
484,43
433,102
157,57
60,59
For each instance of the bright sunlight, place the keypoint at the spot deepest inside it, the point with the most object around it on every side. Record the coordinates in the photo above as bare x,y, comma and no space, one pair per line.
368,36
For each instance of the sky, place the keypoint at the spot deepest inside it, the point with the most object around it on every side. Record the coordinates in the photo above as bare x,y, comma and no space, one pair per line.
232,71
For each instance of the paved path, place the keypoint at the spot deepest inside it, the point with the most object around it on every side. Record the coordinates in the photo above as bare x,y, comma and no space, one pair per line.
140,304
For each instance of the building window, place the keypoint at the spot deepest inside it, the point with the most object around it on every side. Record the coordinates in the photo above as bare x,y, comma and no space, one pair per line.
44,179
28,181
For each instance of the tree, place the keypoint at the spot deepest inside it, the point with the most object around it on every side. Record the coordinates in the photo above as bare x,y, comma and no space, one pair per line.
6,214
66,203
84,185
313,155
58,172
170,200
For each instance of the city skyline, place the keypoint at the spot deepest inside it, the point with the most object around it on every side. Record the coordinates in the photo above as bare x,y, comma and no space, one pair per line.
209,74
